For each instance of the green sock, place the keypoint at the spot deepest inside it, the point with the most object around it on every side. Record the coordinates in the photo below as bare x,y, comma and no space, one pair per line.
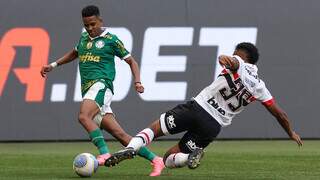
97,139
146,153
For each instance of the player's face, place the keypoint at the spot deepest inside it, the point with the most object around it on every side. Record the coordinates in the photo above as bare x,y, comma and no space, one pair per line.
242,54
93,25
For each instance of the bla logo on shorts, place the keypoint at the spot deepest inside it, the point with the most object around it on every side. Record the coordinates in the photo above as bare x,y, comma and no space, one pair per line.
191,145
170,120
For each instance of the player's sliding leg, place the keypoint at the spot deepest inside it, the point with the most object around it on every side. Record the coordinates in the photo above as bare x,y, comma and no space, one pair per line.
146,136
110,124
88,109
174,158
201,130
142,139
194,158
139,141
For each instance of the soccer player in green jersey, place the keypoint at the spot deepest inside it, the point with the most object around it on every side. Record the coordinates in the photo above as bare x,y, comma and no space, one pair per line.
96,50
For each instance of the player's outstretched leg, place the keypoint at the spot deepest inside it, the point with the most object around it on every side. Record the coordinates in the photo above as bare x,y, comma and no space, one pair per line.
194,158
127,153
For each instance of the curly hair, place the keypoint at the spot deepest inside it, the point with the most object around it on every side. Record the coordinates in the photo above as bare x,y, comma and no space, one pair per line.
90,10
251,50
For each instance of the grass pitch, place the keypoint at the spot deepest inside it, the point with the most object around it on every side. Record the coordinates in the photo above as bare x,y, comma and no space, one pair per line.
223,160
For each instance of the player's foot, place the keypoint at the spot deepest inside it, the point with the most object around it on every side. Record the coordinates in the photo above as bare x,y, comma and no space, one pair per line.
102,158
158,166
194,158
127,153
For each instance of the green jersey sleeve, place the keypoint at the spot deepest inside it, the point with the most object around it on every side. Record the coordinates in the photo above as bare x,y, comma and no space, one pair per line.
76,47
83,36
119,49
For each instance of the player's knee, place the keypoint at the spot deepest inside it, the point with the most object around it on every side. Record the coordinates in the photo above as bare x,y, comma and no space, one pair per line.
82,118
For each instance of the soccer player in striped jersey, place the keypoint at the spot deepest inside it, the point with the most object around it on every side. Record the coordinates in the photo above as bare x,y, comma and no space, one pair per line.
96,50
213,108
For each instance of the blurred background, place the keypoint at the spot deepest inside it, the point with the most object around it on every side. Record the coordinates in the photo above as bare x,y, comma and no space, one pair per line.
176,44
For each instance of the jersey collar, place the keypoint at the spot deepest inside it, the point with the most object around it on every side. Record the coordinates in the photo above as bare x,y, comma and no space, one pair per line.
104,32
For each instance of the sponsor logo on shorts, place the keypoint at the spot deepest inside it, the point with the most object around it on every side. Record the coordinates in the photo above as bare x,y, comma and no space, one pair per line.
170,120
191,145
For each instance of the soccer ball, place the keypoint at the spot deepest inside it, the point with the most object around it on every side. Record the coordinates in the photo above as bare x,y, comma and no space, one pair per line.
85,164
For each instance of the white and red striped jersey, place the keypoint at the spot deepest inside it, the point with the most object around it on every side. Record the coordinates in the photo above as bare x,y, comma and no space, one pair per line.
232,91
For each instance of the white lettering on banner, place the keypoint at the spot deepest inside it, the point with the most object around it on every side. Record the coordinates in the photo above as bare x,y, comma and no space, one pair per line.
226,39
152,63
123,77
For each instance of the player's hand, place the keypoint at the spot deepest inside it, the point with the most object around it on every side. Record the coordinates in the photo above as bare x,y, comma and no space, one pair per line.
139,87
294,136
45,69
226,61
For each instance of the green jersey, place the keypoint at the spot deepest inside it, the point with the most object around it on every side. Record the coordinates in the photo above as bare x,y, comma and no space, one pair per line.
96,58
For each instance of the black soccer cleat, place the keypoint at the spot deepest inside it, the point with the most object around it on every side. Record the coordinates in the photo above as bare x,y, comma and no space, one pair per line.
127,153
194,158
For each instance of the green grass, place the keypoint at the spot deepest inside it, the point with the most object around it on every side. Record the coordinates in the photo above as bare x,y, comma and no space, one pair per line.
223,160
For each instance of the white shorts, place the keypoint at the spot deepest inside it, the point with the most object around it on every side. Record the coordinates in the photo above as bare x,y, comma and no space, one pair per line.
102,95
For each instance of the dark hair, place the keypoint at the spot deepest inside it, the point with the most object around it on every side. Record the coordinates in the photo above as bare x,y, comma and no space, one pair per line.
90,11
251,50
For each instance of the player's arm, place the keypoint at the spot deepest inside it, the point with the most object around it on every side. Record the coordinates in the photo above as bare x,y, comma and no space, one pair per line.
136,73
68,57
229,62
283,120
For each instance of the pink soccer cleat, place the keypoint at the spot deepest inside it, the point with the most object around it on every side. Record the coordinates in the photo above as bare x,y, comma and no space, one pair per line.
158,166
102,158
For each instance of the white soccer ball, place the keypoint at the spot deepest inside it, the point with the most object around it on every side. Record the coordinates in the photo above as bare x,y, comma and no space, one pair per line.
85,164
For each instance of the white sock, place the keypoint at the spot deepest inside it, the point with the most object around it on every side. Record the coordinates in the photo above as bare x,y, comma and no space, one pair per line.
177,160
143,138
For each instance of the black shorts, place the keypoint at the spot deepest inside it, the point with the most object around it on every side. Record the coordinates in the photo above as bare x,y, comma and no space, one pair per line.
201,127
